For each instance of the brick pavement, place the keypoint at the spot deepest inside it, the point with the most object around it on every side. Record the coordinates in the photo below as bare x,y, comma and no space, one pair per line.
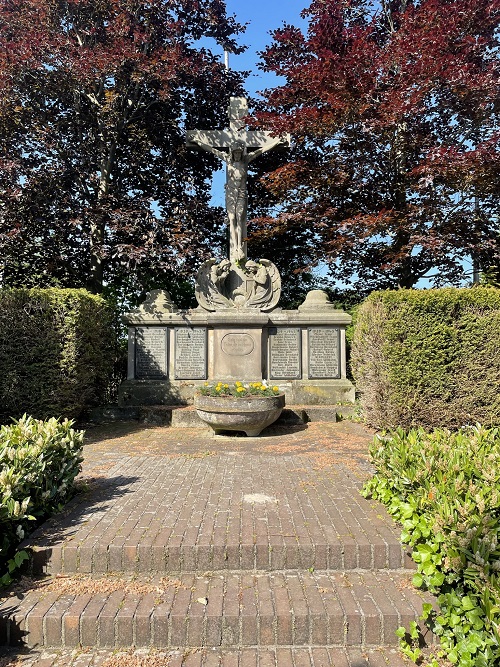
180,539
205,657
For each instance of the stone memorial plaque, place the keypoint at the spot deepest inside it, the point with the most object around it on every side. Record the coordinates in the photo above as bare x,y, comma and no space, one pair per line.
151,360
284,353
237,344
323,345
190,361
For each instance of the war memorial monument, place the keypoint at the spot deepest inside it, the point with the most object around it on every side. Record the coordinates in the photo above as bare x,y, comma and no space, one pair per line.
238,331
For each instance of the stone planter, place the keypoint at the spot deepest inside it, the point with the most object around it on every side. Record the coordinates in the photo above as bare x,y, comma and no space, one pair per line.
250,414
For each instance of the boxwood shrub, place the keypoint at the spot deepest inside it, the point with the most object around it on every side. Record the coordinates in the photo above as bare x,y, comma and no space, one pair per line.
444,488
57,349
429,358
38,464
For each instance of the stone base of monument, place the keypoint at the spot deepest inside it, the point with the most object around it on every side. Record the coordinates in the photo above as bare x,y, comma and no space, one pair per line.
186,416
301,351
320,392
155,392
138,393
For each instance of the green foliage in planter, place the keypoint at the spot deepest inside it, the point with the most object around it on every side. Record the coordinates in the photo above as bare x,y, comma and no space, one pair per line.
238,389
38,464
57,349
444,488
429,358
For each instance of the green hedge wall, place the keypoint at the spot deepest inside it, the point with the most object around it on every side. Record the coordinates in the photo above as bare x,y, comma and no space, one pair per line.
429,358
57,349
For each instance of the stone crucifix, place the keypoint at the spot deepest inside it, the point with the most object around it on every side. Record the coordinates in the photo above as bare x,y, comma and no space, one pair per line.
237,147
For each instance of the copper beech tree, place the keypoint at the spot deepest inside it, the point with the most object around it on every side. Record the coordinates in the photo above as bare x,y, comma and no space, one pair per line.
394,111
96,185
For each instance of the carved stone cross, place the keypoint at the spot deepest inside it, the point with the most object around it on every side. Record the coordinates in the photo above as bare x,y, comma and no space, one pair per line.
237,147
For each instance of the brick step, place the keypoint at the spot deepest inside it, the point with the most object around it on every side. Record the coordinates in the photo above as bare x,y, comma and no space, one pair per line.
156,515
144,558
360,608
206,657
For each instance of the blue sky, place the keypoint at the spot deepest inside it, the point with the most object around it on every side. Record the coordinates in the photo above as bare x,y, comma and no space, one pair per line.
262,17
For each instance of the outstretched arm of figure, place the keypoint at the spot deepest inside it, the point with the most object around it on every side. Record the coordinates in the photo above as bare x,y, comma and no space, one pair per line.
206,147
267,147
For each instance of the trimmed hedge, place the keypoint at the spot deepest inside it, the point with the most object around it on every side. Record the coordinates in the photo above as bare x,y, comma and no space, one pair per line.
57,349
429,358
38,464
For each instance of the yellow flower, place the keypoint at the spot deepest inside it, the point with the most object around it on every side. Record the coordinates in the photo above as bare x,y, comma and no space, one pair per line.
241,389
276,388
238,384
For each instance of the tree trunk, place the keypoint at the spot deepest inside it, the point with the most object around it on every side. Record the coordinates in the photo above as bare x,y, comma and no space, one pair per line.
96,273
98,225
406,278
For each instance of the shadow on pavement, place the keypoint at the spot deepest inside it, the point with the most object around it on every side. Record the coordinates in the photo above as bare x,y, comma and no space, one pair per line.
94,495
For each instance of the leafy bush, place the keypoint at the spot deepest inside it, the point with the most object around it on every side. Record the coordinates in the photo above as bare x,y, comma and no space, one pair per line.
444,489
38,464
57,349
429,358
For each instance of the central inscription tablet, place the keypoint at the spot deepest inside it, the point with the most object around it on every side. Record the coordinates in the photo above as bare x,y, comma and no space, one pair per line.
237,344
190,362
284,353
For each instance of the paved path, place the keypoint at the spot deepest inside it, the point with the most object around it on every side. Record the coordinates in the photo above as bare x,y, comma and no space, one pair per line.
207,550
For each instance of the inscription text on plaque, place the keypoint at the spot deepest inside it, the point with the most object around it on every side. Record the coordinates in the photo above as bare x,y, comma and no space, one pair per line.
284,353
190,362
323,345
151,353
237,344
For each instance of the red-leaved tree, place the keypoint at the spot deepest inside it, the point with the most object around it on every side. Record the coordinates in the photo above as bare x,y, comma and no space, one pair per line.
394,111
96,185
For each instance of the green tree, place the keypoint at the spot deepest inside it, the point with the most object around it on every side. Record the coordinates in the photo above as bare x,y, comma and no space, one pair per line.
394,111
97,186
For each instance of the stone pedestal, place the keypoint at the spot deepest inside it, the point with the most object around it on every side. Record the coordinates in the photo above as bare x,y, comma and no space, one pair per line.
301,351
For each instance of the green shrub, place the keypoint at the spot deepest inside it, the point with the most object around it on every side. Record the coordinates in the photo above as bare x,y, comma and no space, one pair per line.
429,358
57,349
444,489
38,464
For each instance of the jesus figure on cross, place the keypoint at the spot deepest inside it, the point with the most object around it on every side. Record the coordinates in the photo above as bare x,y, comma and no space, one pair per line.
237,147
